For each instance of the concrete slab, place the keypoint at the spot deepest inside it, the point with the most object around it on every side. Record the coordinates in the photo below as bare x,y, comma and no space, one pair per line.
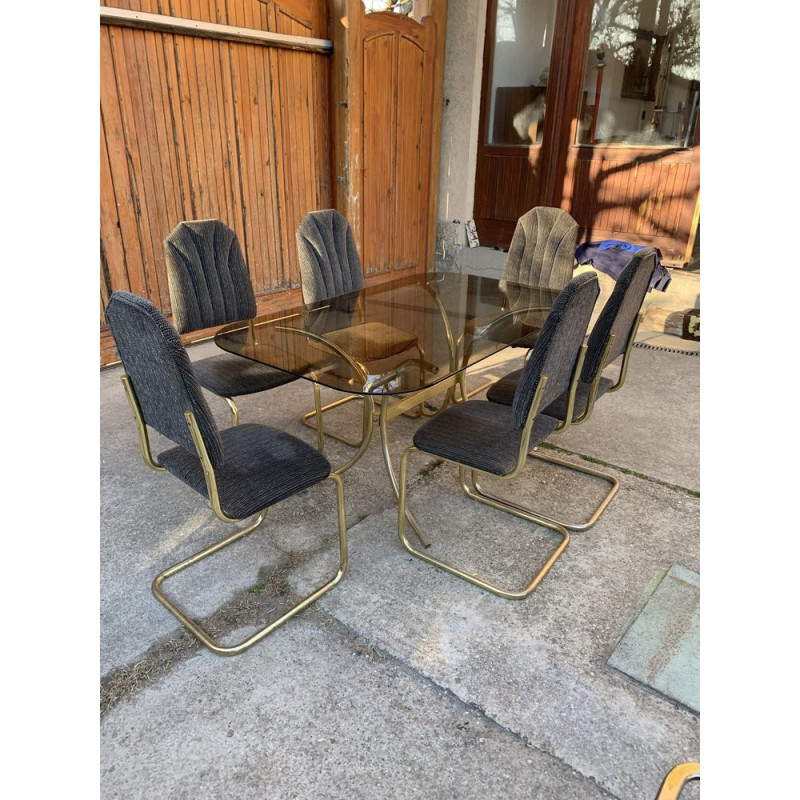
661,646
300,716
316,714
537,667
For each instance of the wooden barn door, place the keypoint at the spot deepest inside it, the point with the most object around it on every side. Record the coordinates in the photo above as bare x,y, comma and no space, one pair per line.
388,135
210,110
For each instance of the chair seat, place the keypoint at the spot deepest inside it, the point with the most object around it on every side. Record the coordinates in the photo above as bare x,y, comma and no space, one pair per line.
230,375
262,466
502,392
480,435
371,341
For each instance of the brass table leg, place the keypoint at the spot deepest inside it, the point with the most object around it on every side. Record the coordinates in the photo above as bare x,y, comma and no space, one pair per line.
424,540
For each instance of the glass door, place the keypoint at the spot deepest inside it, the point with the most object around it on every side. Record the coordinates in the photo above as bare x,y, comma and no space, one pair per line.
517,51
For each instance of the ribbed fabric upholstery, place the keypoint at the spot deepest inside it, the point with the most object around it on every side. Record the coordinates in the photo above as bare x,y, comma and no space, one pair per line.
542,251
487,436
558,408
229,375
503,391
330,268
329,261
480,435
617,316
160,371
556,349
619,312
255,465
263,465
209,285
208,280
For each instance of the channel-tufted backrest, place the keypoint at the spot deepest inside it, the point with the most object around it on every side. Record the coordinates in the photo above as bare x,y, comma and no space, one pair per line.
208,280
619,312
557,347
160,372
542,251
329,261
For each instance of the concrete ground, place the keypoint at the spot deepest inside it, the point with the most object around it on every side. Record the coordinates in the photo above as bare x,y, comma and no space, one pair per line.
403,681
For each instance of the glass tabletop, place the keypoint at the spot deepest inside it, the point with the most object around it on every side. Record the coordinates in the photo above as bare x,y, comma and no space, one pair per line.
394,337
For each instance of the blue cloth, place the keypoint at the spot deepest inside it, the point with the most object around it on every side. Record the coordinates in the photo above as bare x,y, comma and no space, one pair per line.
611,256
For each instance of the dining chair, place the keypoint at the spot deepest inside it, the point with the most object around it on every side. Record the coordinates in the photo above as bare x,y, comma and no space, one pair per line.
241,471
542,250
541,257
330,267
209,285
486,438
612,336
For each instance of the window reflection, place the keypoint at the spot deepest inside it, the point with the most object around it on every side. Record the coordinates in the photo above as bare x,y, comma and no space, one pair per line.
522,43
396,6
642,79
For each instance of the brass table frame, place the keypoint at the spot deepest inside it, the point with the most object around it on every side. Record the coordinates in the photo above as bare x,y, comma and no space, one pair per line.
391,405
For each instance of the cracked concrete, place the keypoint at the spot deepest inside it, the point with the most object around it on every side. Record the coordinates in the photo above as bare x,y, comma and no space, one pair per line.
402,681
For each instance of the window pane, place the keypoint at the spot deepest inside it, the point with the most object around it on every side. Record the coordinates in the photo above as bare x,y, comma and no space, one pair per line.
644,65
404,7
523,40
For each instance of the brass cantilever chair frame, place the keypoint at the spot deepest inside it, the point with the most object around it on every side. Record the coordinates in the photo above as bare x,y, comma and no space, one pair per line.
213,495
330,266
635,277
566,376
677,778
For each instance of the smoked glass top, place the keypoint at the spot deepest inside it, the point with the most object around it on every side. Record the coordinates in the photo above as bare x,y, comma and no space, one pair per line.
394,337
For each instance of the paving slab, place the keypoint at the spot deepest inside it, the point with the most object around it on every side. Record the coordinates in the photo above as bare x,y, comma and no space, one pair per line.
661,646
312,714
369,692
537,667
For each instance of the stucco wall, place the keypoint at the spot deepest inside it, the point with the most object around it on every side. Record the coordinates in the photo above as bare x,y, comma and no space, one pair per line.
466,24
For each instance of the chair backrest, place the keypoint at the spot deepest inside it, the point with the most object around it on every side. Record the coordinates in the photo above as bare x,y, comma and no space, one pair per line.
619,313
208,279
557,347
542,251
329,261
160,372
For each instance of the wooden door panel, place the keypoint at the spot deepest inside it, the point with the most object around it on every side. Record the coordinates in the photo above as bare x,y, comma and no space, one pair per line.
391,187
412,149
380,135
641,196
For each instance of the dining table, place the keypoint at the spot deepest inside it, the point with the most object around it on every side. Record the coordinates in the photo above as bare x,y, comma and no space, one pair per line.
397,344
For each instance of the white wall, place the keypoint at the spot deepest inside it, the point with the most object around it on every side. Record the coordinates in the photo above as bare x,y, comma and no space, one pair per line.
466,24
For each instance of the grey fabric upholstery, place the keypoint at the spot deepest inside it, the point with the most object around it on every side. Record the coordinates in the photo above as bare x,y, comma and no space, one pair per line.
331,268
229,375
255,465
619,312
160,372
618,317
487,436
208,280
479,436
262,466
558,408
556,349
209,285
503,392
329,261
542,250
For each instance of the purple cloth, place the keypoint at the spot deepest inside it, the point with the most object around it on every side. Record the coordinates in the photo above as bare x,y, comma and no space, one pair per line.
612,256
